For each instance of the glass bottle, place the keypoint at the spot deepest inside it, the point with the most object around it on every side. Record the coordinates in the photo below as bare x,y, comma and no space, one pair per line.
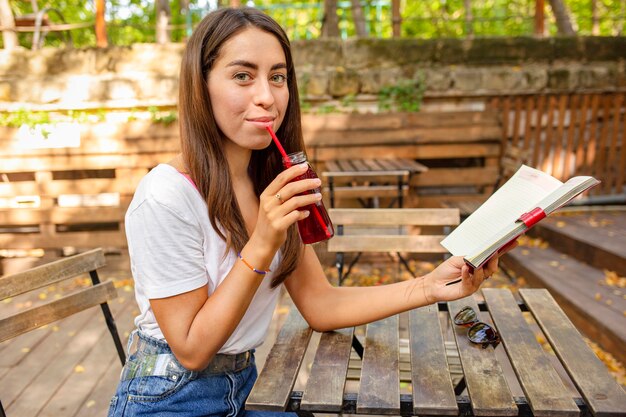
317,226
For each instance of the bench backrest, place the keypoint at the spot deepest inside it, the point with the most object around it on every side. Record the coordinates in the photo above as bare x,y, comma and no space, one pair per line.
391,230
51,273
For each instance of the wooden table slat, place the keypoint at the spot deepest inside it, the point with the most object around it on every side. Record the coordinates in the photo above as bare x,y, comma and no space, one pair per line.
275,383
600,391
325,387
488,390
544,390
379,392
433,392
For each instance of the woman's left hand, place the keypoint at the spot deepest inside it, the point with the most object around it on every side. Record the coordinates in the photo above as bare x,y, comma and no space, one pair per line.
440,285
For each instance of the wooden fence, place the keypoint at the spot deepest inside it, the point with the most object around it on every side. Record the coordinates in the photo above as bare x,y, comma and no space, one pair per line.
570,134
75,197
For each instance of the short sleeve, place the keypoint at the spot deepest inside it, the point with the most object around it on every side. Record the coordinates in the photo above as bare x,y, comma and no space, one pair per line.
166,250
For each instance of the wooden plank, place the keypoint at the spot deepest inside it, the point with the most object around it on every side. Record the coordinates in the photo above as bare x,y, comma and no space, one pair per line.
34,384
59,240
55,188
367,191
582,237
530,101
375,243
539,129
325,386
394,217
61,215
421,151
544,390
455,176
38,316
569,165
516,120
486,385
77,162
78,386
379,391
621,168
38,277
608,173
599,389
273,387
557,157
581,144
599,160
544,162
575,286
433,392
592,143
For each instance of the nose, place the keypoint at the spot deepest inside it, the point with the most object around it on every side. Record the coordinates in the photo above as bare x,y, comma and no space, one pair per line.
263,94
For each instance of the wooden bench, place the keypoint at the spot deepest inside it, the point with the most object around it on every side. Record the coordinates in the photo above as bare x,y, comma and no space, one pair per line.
50,311
389,230
486,389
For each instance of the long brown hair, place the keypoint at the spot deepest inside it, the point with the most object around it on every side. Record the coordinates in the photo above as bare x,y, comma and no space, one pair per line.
202,140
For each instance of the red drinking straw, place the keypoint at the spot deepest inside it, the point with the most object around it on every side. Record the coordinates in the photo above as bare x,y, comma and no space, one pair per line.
288,164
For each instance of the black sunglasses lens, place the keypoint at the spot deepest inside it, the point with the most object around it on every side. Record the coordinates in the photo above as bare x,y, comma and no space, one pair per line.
466,315
482,333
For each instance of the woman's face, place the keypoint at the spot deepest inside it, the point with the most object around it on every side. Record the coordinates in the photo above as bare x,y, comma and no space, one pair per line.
248,88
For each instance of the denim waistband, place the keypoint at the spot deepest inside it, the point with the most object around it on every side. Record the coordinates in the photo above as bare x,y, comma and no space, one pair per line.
154,357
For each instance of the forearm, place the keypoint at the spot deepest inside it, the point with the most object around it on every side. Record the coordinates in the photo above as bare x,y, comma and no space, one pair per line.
339,307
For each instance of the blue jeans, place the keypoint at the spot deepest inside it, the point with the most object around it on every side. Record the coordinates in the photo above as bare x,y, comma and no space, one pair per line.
182,393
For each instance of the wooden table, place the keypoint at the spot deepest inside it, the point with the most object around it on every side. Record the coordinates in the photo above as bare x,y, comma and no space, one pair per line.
432,392
370,178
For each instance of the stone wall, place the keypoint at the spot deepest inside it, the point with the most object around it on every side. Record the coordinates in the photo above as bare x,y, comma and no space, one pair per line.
328,70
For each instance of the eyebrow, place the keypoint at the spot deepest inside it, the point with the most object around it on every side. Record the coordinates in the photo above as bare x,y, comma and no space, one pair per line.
253,66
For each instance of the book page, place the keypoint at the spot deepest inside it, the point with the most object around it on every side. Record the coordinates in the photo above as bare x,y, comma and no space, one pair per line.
518,195
570,189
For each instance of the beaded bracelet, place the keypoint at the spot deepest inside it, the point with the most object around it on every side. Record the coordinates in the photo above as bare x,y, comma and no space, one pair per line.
260,272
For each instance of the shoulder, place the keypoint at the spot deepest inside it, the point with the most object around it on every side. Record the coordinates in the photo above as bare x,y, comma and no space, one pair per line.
168,189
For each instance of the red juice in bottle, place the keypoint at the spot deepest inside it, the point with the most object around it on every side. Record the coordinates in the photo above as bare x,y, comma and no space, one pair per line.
317,227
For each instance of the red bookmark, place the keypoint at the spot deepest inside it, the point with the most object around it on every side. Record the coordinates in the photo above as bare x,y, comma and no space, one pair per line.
532,217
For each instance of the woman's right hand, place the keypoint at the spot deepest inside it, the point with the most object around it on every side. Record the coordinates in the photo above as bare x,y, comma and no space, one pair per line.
281,205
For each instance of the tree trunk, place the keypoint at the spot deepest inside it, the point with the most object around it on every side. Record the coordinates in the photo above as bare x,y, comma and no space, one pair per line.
396,18
163,14
101,29
359,19
469,19
595,24
330,22
9,36
540,17
563,21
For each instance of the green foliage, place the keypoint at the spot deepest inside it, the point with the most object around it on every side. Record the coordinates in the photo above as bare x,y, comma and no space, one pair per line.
405,95
164,117
133,21
24,117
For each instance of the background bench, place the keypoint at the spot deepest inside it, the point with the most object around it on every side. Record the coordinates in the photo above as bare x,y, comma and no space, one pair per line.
50,311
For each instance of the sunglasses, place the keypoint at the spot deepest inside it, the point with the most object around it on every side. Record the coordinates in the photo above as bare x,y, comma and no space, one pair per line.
479,332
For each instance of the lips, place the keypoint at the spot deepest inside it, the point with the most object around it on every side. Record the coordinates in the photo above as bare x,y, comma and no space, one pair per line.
261,122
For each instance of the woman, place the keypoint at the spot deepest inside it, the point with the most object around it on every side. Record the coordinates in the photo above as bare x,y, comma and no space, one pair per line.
211,234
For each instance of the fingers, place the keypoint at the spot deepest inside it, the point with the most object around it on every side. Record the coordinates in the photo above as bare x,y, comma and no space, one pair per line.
284,178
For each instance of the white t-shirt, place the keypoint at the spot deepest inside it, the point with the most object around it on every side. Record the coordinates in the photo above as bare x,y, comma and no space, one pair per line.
174,249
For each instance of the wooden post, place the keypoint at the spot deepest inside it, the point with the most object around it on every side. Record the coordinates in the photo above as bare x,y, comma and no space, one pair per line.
163,16
101,29
539,17
8,22
396,18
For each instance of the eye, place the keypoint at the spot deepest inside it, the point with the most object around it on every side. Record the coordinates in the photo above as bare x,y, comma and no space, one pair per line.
278,78
242,76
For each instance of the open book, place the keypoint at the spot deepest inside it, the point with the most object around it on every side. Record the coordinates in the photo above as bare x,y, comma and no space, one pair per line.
526,198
